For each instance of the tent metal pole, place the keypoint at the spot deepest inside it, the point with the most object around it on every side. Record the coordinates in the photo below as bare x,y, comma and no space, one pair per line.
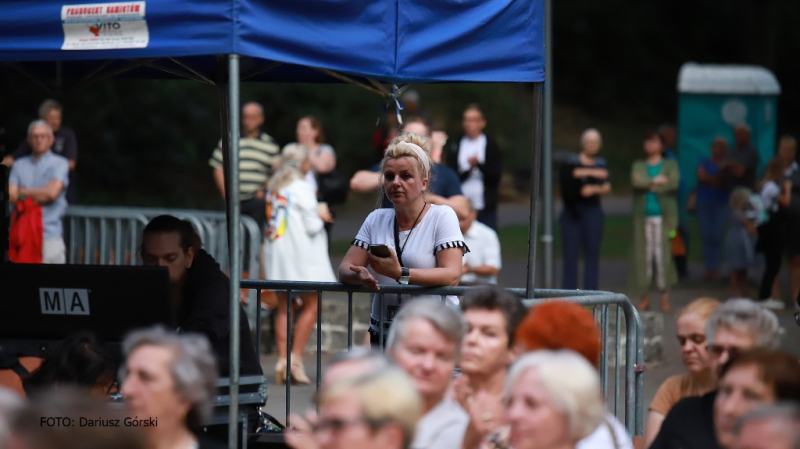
232,197
536,164
547,156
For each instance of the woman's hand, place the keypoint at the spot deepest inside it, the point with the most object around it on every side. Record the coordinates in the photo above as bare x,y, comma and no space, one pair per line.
366,279
588,190
660,180
324,213
301,433
386,266
461,391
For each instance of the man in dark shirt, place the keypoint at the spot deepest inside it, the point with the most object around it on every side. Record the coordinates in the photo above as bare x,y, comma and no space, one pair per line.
743,159
64,144
200,290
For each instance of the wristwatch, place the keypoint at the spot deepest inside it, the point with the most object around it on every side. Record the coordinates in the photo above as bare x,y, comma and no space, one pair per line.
405,276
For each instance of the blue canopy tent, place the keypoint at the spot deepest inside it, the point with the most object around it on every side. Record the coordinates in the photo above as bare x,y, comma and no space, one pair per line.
370,42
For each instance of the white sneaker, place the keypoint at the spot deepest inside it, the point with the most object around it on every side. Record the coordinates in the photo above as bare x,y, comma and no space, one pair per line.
772,304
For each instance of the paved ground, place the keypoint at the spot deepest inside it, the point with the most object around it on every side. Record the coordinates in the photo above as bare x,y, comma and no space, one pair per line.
613,277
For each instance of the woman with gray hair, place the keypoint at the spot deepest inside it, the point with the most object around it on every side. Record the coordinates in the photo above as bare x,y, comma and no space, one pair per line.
553,400
425,340
583,179
296,249
739,325
169,386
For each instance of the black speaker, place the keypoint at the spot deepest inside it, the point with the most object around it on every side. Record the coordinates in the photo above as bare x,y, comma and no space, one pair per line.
5,213
269,441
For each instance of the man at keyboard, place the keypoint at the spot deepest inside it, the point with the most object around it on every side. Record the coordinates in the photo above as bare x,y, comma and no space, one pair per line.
200,290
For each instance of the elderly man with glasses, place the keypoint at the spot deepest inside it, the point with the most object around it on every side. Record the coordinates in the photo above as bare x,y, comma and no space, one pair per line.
737,326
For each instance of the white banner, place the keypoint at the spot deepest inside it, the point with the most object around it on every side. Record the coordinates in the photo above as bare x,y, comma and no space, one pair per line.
104,26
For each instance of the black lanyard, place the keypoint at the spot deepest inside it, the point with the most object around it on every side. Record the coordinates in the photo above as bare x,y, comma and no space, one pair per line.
399,249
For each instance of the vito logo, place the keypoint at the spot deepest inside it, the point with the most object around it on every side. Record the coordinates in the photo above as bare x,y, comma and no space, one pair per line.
106,26
64,301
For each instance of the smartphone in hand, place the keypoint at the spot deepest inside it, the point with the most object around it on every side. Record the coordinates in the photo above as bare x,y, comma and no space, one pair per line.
379,250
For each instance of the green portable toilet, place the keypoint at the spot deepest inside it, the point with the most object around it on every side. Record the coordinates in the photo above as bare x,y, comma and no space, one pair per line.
714,98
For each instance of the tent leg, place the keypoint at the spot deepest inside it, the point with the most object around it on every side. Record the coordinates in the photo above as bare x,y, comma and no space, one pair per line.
547,155
536,164
233,212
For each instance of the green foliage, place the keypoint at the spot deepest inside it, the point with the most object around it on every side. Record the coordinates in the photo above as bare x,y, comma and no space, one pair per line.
615,67
148,142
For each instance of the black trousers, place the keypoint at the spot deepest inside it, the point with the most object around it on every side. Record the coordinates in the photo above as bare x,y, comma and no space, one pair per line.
771,243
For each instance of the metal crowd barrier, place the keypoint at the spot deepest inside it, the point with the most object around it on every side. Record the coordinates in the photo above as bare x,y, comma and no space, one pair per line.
626,373
111,235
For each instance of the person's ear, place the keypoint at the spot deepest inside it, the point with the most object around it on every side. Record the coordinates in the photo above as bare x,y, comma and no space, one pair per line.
189,257
425,184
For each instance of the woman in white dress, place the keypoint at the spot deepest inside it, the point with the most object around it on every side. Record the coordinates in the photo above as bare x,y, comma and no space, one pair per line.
424,241
296,249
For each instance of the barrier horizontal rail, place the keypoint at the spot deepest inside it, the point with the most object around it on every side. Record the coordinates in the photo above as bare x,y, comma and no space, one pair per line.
109,235
599,300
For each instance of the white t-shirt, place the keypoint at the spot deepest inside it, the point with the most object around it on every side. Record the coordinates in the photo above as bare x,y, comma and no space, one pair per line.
484,248
443,427
294,229
770,192
436,231
601,438
472,187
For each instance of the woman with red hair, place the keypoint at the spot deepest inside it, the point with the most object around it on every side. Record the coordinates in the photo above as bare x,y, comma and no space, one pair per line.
564,325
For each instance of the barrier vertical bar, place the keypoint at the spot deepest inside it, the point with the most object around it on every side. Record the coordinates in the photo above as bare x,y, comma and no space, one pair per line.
103,242
617,360
72,245
258,322
117,242
631,358
133,241
319,338
381,318
349,320
288,353
639,374
87,246
604,347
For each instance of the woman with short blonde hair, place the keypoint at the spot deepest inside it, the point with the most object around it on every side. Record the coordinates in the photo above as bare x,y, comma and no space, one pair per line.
414,242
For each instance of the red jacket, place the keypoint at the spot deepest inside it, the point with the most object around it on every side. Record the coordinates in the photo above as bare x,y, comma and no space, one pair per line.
27,233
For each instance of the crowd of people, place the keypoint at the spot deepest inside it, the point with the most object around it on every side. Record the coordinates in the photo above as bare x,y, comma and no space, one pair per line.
429,212
739,214
479,371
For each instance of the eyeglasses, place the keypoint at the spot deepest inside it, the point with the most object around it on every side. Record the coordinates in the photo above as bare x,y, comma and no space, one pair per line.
336,425
717,350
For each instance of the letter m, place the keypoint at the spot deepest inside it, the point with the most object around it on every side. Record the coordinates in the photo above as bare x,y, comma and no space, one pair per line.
52,301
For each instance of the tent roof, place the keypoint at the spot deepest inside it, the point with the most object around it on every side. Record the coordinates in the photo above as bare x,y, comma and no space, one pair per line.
398,41
727,79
